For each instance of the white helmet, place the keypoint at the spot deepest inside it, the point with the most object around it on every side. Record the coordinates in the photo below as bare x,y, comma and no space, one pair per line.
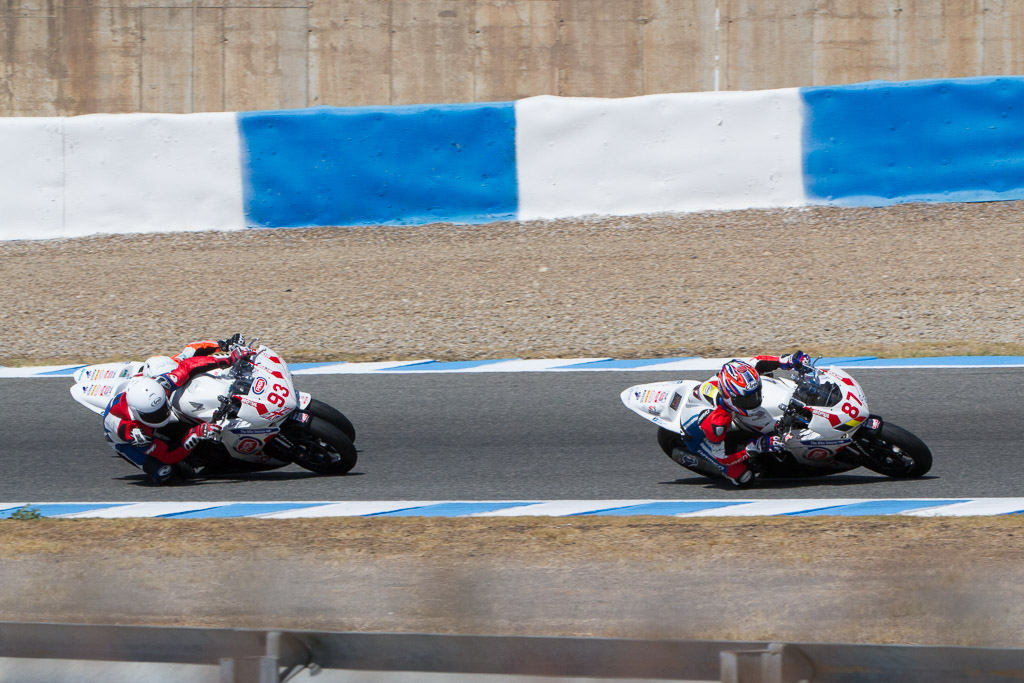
158,365
147,402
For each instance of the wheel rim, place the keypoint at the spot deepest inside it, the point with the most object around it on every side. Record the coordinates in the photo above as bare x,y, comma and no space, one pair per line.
888,457
317,450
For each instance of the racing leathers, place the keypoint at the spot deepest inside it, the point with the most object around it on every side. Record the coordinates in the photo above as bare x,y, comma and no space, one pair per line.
200,348
156,449
722,440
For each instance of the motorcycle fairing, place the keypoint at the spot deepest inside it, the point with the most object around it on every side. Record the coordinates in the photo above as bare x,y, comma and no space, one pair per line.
658,401
271,395
97,395
107,372
96,384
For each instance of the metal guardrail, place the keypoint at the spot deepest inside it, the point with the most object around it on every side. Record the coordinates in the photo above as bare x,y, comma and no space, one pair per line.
270,656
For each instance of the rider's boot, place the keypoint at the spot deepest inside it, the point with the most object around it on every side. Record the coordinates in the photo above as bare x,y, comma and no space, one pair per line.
739,474
190,467
160,473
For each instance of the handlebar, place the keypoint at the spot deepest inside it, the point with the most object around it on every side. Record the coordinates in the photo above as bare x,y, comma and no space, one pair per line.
796,411
241,369
230,404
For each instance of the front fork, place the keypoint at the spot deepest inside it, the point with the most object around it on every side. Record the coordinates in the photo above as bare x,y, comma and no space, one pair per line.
281,446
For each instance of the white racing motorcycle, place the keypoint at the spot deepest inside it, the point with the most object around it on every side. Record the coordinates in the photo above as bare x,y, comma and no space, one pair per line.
821,414
265,423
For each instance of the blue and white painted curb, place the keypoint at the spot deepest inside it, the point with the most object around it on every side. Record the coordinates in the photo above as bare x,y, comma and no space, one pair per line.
790,507
695,364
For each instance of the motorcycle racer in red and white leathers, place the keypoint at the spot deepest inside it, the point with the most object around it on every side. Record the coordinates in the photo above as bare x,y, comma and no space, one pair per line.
205,347
159,365
729,404
142,427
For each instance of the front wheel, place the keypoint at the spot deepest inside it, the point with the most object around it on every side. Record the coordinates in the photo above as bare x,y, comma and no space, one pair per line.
894,452
322,448
329,413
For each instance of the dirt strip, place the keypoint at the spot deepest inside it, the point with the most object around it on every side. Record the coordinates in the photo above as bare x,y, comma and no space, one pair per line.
867,579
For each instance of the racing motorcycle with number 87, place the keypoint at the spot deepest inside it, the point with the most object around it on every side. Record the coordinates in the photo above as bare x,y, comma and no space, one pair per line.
821,416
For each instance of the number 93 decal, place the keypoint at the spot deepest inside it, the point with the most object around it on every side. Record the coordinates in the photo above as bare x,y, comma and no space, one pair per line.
278,395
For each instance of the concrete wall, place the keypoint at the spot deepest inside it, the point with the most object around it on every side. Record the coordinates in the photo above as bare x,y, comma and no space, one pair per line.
68,57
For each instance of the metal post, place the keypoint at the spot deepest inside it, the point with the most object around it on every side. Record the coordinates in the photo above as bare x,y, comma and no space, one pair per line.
778,663
254,669
248,670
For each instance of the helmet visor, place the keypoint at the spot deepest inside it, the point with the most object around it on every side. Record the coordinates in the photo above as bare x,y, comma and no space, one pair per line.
747,401
158,416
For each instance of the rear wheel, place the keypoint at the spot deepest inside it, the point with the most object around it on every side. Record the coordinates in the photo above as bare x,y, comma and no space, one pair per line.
332,415
322,448
894,452
668,440
672,444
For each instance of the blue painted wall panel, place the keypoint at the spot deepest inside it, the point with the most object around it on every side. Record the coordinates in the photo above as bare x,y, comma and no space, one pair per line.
379,165
880,143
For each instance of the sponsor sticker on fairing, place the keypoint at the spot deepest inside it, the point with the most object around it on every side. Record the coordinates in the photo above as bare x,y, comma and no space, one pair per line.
825,442
818,454
247,445
259,386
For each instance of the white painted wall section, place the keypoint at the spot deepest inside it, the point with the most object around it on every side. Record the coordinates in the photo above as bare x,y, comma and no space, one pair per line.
31,178
659,153
152,173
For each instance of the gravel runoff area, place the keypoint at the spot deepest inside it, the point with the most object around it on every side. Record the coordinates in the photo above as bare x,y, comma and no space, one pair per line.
914,279
906,280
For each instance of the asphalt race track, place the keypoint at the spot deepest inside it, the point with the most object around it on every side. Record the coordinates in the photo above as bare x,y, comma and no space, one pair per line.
518,436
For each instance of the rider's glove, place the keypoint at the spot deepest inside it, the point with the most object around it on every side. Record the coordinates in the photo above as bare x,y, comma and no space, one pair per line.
226,344
201,432
165,381
797,359
139,438
240,352
764,444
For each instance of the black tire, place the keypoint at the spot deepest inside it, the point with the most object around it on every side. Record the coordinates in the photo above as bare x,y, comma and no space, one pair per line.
894,452
332,415
322,448
668,440
672,444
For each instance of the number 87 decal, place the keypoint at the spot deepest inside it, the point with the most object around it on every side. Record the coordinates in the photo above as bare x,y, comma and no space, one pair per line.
278,398
848,408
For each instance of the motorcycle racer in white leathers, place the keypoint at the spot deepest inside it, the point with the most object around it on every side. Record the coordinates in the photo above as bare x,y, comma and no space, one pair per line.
729,404
140,424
